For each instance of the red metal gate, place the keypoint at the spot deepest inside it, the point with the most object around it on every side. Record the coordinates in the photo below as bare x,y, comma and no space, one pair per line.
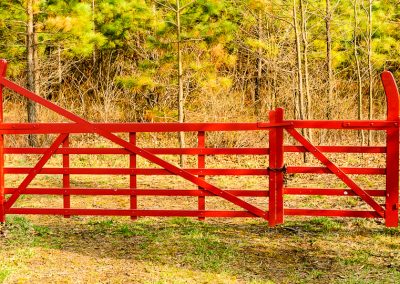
275,192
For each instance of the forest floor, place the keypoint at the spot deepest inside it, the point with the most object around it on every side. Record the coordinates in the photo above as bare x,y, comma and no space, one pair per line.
53,249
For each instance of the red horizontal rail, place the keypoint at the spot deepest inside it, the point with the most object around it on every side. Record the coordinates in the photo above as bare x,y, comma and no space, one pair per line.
206,172
45,128
331,213
145,192
338,149
130,212
126,171
195,151
158,151
330,191
347,170
345,124
191,192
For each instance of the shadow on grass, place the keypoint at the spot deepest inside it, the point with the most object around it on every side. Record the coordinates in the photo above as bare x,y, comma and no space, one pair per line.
304,251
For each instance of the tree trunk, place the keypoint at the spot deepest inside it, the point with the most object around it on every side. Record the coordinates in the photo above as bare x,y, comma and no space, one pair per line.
59,66
94,29
259,68
359,79
299,70
181,114
370,74
328,19
32,67
298,62
306,72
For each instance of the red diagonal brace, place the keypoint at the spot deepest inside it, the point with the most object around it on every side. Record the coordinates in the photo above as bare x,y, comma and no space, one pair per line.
136,150
35,170
338,172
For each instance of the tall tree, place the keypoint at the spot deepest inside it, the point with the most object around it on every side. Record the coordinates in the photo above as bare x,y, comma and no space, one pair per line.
259,68
181,98
300,88
358,67
370,71
304,33
32,62
329,70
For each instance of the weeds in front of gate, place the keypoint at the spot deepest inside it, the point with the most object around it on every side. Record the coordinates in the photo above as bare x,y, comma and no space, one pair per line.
180,250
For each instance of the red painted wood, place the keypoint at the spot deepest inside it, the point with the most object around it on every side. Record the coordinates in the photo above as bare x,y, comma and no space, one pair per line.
143,192
332,213
34,171
128,212
48,128
133,177
272,201
338,149
140,171
201,164
157,151
344,124
196,151
347,170
192,192
66,178
338,172
279,164
145,154
330,191
392,154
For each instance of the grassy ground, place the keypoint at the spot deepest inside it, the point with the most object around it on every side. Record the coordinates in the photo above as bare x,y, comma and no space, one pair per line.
179,250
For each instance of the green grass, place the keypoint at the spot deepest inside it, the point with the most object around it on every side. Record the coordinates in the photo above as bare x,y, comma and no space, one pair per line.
181,250
4,272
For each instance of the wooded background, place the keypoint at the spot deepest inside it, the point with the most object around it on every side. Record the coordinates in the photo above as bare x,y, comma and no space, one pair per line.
203,60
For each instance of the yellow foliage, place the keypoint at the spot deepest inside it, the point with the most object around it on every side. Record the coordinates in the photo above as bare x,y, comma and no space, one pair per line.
258,5
59,23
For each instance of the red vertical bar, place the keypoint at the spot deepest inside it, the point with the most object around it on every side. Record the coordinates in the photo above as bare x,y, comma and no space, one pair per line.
279,165
133,177
392,178
201,163
392,151
3,69
66,179
272,174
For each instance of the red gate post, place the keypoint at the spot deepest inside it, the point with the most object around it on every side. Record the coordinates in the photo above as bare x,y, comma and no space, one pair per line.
392,151
279,164
272,201
3,69
275,169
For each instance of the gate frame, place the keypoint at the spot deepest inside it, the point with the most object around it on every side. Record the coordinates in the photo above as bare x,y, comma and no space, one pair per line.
275,126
